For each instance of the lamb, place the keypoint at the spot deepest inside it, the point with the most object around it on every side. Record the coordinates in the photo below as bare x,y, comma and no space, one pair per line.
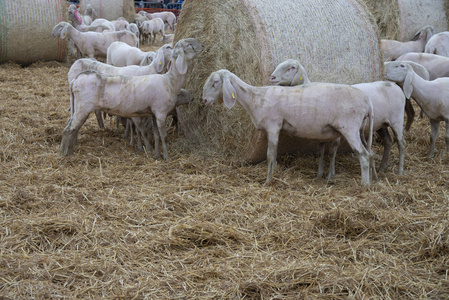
139,19
392,49
129,96
90,43
436,65
388,104
151,28
438,44
120,54
431,96
167,16
295,110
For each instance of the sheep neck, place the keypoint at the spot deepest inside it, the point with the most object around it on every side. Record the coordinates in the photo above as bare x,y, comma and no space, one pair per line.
423,92
175,78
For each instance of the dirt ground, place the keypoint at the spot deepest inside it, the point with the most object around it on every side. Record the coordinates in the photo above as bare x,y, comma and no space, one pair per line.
111,222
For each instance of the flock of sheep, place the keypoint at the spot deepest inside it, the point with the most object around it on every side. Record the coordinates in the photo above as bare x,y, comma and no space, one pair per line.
143,88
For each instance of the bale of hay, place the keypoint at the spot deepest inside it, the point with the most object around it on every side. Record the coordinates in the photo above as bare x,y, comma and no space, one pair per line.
336,41
111,9
401,19
26,31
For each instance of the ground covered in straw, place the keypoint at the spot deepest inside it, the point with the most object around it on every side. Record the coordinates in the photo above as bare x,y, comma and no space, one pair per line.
112,222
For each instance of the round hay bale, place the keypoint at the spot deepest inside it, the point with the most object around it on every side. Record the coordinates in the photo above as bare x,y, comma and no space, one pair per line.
336,41
111,9
401,19
26,31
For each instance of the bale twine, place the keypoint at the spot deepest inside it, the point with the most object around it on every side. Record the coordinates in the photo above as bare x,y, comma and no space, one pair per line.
401,19
26,31
336,41
111,9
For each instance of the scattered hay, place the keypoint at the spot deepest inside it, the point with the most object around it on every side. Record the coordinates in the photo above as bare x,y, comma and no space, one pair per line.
250,38
26,31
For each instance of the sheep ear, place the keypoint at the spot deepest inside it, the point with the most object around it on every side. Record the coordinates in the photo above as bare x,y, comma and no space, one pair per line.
64,31
298,79
159,60
181,64
408,83
229,94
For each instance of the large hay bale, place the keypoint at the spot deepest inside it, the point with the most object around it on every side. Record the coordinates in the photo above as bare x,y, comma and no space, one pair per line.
401,19
336,41
26,31
111,9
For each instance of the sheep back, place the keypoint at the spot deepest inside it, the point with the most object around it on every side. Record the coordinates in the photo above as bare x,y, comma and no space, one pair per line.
111,9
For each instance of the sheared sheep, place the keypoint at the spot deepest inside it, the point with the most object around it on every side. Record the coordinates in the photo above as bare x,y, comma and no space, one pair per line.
120,54
343,111
436,65
392,49
168,17
431,96
388,104
438,44
93,43
149,29
129,96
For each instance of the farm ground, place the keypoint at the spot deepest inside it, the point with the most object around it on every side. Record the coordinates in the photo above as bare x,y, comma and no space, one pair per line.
112,222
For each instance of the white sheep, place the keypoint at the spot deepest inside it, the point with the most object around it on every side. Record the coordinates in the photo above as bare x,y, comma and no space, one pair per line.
388,104
163,55
91,43
89,15
149,29
120,24
168,17
392,49
120,54
322,111
438,44
129,96
103,22
431,96
139,19
436,65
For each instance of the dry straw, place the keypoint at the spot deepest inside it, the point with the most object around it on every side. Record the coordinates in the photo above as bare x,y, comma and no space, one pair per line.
111,9
26,31
336,42
401,19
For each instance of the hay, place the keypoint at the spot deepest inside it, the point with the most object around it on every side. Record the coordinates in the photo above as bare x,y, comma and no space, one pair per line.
111,9
401,19
336,42
26,31
112,223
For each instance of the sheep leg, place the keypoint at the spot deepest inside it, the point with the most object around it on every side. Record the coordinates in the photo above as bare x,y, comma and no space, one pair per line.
321,160
333,153
397,130
157,153
163,134
434,126
273,138
356,145
141,134
70,135
410,111
388,142
99,118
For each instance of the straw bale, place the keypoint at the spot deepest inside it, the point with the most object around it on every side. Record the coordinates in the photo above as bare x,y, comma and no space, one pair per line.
335,41
401,19
26,31
111,9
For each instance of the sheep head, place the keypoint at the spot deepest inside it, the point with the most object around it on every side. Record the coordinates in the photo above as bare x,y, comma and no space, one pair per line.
400,72
184,50
61,29
217,86
289,73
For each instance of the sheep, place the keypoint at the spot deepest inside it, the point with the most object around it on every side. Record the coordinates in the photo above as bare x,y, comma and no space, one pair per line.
431,96
89,14
388,103
438,44
435,65
120,54
93,43
139,19
163,54
183,98
151,28
129,96
167,16
103,22
392,49
132,27
343,111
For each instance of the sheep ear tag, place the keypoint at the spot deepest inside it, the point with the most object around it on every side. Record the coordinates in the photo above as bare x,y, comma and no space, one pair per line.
64,32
